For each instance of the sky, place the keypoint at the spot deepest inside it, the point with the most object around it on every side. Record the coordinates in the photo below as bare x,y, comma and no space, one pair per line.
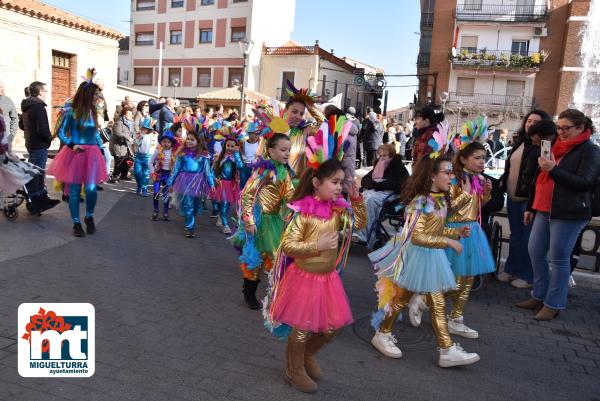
384,35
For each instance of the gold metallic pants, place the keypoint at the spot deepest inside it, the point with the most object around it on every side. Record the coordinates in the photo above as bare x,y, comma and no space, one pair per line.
460,296
302,336
437,309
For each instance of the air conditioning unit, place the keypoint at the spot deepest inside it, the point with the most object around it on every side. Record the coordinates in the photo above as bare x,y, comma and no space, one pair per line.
540,32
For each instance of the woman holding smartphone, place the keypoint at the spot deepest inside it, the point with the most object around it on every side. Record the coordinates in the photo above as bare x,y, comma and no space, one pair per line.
519,173
560,206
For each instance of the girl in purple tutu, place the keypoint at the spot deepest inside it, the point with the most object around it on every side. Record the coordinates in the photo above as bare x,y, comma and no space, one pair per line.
192,179
227,189
80,162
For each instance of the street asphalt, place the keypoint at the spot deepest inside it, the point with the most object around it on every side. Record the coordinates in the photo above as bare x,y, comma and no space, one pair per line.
171,323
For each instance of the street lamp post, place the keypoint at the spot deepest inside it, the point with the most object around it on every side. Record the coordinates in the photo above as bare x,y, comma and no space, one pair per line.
245,47
175,83
458,116
444,99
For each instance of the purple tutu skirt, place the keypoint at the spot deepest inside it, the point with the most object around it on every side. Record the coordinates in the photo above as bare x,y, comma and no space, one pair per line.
226,191
88,167
191,184
311,301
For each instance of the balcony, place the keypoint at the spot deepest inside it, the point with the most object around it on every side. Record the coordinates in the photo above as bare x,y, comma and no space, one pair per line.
501,13
423,60
426,20
497,59
489,103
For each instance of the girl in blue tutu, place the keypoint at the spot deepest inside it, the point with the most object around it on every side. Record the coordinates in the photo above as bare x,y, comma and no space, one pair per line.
469,192
415,261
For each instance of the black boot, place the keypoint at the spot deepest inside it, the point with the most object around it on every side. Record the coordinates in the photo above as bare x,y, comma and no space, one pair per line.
78,230
250,294
91,227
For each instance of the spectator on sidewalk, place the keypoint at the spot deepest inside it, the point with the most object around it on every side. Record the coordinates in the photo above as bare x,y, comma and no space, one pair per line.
426,121
9,112
372,137
37,141
166,117
560,206
142,111
120,144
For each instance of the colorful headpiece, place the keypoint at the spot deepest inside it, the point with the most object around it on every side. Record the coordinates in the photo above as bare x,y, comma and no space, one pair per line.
148,123
474,131
273,124
303,95
167,135
253,126
239,133
89,76
441,140
191,124
328,143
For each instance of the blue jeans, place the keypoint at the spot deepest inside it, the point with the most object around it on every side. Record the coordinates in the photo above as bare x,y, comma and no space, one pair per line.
141,172
37,187
518,263
550,245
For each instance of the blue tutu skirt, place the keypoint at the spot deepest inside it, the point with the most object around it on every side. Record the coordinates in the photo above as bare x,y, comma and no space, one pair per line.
476,257
425,270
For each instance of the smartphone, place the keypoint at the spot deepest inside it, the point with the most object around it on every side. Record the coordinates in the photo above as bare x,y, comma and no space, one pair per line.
546,148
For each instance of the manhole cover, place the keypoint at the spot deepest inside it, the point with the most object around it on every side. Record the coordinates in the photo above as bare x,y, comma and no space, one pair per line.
409,338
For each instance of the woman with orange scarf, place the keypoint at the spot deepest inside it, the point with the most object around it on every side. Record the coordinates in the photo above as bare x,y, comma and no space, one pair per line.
560,206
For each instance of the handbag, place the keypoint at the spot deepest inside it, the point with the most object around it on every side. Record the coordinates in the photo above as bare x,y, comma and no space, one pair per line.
105,134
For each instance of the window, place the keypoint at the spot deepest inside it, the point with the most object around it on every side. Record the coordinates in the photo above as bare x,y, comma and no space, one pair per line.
61,60
240,1
472,4
286,76
176,37
144,38
465,86
142,76
238,34
235,76
177,3
143,5
174,77
515,88
204,77
207,2
520,47
468,43
206,35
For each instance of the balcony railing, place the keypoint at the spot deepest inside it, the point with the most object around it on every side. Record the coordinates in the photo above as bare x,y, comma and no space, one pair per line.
427,20
501,13
289,50
423,59
483,101
497,59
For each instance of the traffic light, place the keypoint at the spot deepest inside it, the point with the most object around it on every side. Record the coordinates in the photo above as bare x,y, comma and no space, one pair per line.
377,103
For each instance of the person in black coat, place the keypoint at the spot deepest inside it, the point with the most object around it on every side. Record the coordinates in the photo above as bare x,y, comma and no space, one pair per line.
560,206
387,177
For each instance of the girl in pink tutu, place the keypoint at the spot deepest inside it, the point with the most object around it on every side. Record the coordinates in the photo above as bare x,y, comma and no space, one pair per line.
80,162
306,300
227,188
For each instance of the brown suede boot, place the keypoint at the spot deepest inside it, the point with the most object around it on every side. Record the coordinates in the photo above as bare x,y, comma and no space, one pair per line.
296,375
314,344
532,304
546,314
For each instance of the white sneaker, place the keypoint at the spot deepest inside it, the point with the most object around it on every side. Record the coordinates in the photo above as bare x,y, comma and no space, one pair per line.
386,344
520,283
456,356
226,230
416,306
219,222
458,327
504,277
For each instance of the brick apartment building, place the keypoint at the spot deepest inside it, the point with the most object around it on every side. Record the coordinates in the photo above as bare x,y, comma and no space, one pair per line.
500,57
200,40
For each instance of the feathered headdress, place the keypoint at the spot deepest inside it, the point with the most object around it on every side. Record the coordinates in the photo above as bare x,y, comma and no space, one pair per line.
303,95
441,140
191,124
238,132
272,122
474,131
89,76
329,141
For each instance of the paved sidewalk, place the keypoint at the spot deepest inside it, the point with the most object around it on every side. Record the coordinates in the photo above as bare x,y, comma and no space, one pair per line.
171,325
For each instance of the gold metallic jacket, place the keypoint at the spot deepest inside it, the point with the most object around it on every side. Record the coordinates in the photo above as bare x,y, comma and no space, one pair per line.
268,195
430,230
300,237
465,207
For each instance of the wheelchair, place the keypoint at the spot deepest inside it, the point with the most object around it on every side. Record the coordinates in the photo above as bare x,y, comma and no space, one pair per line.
493,232
389,222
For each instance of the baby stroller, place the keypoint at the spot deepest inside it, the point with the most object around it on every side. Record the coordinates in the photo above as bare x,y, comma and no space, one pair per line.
14,174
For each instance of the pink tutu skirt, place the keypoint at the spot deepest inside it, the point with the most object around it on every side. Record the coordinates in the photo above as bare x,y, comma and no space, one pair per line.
191,184
87,167
311,301
226,191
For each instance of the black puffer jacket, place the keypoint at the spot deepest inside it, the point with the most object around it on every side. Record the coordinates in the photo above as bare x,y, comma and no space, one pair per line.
527,170
574,181
394,177
35,124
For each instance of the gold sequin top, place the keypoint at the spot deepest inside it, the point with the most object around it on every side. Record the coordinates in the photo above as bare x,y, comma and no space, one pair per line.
465,207
268,194
430,230
300,237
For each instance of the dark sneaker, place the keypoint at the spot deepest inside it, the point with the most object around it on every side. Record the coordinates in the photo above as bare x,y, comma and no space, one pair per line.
189,233
155,215
78,230
91,227
166,217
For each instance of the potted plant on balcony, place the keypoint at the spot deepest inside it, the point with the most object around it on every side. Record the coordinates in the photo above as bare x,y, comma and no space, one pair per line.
504,60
